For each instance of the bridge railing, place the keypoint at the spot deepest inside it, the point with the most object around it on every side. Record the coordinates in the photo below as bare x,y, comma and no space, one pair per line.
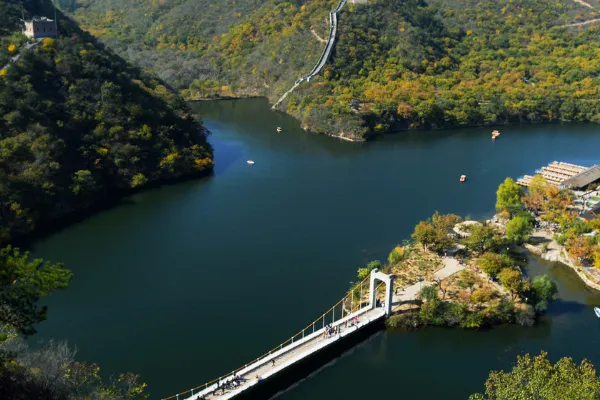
356,300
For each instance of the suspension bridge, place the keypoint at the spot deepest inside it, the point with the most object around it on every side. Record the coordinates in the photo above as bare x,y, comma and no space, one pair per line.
357,312
324,55
356,315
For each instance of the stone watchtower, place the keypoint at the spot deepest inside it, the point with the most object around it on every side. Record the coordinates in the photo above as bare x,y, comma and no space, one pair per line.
41,27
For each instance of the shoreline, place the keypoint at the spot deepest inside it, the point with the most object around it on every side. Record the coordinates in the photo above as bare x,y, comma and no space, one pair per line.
114,199
558,254
371,136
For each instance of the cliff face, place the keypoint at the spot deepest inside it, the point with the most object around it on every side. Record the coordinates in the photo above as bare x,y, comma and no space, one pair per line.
80,125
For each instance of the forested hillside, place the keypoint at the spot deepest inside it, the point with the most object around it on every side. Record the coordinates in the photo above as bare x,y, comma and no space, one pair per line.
220,48
79,125
448,63
398,64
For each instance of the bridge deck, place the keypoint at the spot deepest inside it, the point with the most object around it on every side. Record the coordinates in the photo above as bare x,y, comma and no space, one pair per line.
264,368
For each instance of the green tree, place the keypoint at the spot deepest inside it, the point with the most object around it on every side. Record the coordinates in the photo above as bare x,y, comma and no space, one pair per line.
537,378
424,234
536,191
364,272
493,263
481,237
23,282
508,196
543,291
511,279
444,222
519,228
429,293
396,255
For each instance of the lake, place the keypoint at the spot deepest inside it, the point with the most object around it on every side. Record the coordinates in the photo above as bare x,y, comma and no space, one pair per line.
184,283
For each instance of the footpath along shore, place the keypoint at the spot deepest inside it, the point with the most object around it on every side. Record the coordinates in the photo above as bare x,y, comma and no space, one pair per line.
557,253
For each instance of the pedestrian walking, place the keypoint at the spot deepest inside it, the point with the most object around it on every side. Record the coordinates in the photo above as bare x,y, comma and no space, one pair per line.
272,362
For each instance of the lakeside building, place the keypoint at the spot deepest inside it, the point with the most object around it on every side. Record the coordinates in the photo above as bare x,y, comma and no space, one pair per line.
41,27
566,176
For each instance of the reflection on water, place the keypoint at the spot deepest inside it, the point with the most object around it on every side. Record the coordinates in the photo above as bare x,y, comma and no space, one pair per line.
190,281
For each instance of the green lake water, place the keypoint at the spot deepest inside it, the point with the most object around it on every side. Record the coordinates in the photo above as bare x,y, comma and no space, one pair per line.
187,282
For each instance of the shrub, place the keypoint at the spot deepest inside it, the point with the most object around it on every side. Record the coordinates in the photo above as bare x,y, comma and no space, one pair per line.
429,293
409,320
364,272
482,295
473,320
454,313
525,317
430,313
396,255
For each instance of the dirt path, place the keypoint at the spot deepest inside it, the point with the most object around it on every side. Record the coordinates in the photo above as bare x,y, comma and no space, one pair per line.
583,3
319,38
591,21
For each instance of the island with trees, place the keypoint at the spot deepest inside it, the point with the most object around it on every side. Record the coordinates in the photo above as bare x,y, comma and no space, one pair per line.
487,285
396,65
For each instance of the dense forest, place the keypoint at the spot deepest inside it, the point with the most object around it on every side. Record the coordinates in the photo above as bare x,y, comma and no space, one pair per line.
212,48
397,65
80,126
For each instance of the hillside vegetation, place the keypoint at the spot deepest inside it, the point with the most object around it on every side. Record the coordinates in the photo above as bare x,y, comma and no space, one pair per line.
223,48
79,126
397,65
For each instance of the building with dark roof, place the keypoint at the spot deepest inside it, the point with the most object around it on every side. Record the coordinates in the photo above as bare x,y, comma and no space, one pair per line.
583,179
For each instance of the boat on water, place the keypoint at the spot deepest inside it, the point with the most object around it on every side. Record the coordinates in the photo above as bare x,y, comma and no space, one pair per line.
495,134
463,178
597,311
279,129
250,162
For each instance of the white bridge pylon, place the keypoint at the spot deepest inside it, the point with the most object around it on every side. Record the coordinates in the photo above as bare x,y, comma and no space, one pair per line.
389,290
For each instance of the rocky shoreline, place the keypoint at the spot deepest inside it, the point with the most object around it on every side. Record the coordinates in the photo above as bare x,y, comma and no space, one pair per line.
557,253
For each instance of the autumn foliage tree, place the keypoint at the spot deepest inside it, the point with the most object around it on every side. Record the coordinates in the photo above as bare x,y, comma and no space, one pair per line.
493,263
512,280
537,378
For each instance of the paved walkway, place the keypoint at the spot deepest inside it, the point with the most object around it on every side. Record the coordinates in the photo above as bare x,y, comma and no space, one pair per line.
451,267
324,56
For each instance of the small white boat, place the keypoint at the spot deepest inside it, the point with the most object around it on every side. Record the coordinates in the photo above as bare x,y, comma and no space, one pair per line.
463,178
597,311
250,162
495,134
279,129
